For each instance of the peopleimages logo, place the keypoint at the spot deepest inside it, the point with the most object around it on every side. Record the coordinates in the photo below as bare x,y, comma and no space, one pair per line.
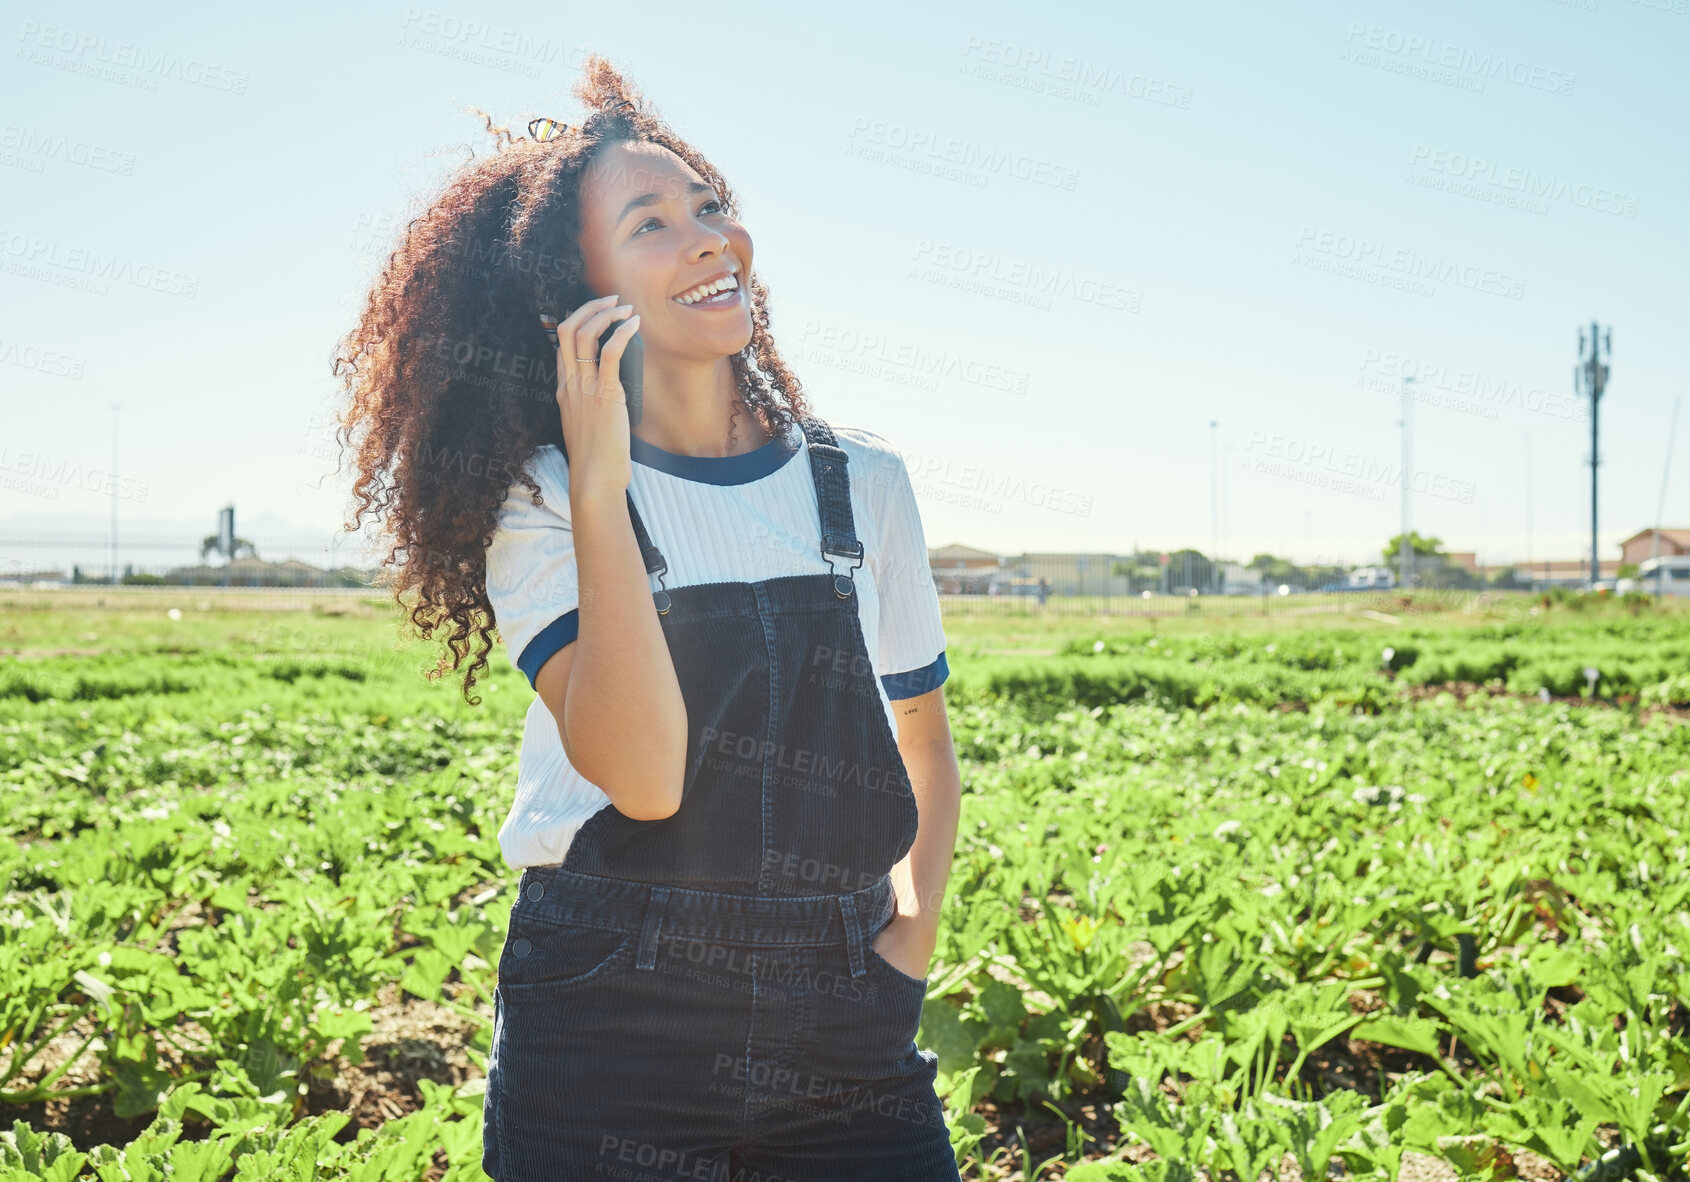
86,267
870,352
1470,390
56,470
1467,65
478,356
1077,72
993,487
436,32
985,267
30,149
128,56
802,762
1408,262
39,360
1476,176
1352,472
873,138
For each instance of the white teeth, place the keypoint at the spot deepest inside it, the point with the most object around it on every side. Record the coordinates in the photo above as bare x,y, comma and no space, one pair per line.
706,290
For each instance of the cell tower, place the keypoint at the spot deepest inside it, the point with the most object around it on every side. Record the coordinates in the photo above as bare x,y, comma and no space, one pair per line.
1590,378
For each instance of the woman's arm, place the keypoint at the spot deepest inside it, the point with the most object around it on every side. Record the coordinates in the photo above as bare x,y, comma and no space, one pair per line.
613,690
618,704
924,742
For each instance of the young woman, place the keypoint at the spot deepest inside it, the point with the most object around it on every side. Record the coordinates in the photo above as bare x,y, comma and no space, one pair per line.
737,797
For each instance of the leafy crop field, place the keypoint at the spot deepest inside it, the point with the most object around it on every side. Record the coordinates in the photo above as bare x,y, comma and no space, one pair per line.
1361,898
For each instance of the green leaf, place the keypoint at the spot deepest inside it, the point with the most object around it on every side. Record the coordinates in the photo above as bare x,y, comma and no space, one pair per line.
945,1032
1552,966
28,1154
140,1087
1409,1033
1005,1010
427,974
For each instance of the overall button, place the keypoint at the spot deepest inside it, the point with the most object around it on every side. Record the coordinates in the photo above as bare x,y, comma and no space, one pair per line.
522,947
535,891
842,586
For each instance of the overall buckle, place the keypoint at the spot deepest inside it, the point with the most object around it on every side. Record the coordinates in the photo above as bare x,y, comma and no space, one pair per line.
843,586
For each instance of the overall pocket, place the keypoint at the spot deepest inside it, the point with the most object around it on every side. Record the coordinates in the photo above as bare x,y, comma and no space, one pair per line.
897,973
544,958
892,970
904,992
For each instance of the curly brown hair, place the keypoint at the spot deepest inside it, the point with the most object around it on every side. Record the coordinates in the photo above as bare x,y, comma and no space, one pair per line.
451,376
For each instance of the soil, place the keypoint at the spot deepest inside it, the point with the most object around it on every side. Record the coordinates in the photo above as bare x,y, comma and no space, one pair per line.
414,1040
1017,1132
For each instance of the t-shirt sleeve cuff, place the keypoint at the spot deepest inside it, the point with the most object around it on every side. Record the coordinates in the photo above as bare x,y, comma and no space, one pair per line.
917,681
552,637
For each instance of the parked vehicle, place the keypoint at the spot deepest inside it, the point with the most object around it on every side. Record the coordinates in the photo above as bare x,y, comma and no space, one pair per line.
1666,575
1372,578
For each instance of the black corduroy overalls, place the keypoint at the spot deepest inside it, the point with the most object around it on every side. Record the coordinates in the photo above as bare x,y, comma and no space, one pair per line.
697,997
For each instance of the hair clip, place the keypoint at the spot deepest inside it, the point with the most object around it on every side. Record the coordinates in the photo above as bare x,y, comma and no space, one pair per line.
541,130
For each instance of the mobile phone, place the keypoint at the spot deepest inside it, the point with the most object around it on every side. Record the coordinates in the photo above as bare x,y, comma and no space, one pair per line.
631,373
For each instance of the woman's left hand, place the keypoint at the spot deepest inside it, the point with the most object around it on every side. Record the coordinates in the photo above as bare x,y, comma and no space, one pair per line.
906,945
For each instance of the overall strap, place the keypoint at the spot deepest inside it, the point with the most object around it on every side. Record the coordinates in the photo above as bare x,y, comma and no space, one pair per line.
655,564
833,498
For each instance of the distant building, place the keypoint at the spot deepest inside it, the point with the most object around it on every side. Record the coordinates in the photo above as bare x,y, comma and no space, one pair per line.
1372,578
1639,547
963,570
1070,574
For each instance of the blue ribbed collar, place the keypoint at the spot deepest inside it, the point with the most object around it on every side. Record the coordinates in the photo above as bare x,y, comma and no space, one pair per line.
740,469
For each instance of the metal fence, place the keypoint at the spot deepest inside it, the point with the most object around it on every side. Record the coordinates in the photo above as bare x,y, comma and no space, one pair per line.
152,568
1119,577
296,562
1387,605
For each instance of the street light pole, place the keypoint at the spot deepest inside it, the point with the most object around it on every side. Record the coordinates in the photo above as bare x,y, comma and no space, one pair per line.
1529,578
1226,498
1661,505
114,578
1405,551
1214,504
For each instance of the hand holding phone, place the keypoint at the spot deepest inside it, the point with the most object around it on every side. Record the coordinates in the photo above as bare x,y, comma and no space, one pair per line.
592,359
630,369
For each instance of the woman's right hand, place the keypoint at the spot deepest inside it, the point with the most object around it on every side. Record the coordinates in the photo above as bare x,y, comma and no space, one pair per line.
590,398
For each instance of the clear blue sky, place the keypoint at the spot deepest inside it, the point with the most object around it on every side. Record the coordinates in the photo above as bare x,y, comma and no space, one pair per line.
1147,216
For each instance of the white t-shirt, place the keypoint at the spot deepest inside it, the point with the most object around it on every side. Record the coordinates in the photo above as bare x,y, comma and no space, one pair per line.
740,518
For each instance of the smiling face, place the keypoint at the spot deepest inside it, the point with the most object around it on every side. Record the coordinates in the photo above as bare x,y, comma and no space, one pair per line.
652,230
